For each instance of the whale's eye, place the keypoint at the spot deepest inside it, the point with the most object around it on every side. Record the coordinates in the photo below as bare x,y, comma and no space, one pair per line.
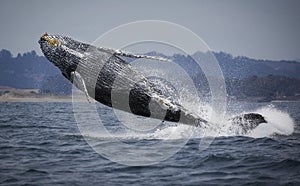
52,41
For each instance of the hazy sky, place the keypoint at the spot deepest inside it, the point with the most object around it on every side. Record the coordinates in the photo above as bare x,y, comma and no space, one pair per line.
267,29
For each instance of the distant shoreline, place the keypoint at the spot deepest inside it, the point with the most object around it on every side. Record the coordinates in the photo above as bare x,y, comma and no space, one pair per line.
36,99
8,94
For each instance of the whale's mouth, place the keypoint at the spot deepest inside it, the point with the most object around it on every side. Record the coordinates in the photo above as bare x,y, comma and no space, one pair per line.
52,41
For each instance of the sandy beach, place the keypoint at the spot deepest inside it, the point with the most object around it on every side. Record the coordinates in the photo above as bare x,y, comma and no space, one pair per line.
36,99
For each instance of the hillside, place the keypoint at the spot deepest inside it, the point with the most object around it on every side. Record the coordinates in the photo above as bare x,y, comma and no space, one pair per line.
245,77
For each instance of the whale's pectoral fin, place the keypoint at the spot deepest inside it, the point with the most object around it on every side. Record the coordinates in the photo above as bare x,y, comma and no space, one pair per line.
246,122
79,82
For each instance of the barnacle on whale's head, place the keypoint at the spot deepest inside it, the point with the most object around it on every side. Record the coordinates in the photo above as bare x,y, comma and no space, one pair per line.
52,47
52,41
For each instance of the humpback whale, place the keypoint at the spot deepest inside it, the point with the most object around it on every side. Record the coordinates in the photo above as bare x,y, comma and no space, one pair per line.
102,74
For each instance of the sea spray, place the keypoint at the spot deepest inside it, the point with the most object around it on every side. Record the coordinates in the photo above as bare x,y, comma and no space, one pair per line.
279,122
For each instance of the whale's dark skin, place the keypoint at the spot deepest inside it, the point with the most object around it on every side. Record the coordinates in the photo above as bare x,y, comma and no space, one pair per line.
106,76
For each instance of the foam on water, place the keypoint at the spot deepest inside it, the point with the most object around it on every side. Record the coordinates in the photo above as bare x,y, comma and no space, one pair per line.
173,132
279,122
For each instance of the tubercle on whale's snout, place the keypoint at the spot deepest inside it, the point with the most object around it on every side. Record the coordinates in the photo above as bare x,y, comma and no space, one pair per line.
51,41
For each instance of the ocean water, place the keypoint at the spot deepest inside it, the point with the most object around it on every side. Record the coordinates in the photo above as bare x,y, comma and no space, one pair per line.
43,144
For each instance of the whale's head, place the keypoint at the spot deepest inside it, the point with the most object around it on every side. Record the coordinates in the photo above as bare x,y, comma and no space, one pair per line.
62,51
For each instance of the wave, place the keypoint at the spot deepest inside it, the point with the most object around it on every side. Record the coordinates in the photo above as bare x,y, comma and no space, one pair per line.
279,122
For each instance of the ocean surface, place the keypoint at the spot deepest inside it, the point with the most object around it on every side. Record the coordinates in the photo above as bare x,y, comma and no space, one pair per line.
45,144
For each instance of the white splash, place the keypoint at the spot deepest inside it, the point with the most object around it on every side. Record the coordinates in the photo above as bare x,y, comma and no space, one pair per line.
279,122
173,132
